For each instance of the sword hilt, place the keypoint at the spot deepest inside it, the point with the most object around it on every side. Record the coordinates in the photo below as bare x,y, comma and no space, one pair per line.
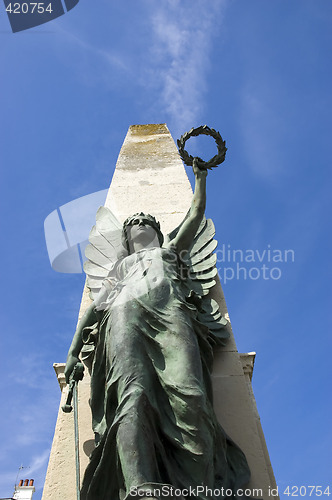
76,375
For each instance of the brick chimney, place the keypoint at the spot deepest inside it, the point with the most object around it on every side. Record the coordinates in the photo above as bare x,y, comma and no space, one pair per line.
24,490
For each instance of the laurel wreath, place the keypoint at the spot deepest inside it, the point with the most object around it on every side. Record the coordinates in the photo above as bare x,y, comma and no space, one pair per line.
202,130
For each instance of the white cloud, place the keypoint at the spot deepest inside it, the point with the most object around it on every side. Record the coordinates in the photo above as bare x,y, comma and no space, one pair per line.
263,133
31,372
107,56
170,58
39,461
92,64
27,438
181,55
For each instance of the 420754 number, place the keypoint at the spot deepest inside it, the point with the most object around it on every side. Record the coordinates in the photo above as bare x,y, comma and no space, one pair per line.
307,491
29,8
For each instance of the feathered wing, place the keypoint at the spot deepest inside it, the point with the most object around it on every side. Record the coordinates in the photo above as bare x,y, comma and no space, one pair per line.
201,264
103,249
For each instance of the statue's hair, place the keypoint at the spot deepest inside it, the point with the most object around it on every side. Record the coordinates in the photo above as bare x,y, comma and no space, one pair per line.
151,221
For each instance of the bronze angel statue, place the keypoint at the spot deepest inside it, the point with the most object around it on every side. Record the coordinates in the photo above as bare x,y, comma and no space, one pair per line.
147,338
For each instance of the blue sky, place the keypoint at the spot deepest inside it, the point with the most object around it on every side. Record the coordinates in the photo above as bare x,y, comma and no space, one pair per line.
258,71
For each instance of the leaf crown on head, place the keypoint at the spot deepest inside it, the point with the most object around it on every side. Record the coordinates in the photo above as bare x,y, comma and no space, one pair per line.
152,221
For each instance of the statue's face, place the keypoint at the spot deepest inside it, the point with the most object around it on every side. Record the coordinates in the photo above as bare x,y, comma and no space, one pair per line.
141,231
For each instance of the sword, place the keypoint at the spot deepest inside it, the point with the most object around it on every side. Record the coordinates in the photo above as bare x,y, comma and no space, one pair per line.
75,377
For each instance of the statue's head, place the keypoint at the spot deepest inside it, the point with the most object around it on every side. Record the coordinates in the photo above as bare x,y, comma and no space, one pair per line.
147,228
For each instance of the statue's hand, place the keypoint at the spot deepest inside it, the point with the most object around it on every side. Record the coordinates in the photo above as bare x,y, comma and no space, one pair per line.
199,172
70,365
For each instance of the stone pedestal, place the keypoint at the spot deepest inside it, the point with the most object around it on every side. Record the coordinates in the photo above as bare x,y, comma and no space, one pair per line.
150,177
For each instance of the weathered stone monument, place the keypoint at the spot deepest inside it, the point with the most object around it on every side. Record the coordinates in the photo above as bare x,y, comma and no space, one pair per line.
150,178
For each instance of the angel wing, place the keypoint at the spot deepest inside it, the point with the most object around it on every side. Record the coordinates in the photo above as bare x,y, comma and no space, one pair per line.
103,249
201,263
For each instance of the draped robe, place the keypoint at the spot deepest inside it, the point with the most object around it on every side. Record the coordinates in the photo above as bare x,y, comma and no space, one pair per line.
151,392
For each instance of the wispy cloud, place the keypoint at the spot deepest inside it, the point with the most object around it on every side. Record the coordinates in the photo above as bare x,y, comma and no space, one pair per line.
28,437
170,58
112,58
31,372
263,132
39,461
180,55
35,470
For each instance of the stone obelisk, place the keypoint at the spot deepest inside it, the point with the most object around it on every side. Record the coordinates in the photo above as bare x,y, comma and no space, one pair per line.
150,177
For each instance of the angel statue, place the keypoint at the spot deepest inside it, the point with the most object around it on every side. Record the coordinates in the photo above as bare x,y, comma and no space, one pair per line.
148,337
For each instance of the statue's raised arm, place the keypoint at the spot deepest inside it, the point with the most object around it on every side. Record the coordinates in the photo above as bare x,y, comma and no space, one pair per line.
184,239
